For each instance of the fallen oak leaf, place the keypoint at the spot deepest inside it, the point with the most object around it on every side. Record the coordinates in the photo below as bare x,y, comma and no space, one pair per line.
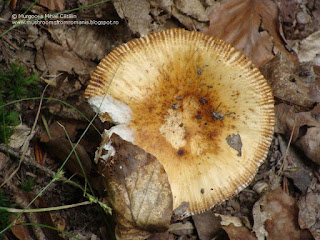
250,26
137,186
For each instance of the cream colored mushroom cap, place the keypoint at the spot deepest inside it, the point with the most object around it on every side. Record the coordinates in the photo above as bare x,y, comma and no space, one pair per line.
196,103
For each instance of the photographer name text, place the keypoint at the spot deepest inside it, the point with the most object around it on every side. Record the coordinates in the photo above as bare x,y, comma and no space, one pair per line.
44,16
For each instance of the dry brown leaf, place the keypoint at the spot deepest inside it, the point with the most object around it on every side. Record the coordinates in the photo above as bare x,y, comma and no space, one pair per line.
288,13
138,189
60,148
207,224
236,229
239,233
58,5
181,228
291,83
310,143
136,12
193,8
250,26
188,21
13,4
19,231
299,19
308,50
38,153
276,217
303,126
89,42
56,130
294,166
57,59
162,236
192,14
19,136
309,205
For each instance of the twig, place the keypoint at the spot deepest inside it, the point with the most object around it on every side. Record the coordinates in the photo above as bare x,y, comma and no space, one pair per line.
287,149
31,162
27,160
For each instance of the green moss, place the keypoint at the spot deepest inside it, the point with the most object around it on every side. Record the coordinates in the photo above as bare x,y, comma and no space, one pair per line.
28,185
15,83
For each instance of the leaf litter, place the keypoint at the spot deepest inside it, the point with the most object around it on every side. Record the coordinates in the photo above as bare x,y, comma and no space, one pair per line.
264,31
251,26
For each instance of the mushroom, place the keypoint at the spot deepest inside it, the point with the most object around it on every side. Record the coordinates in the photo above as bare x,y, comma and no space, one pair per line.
193,101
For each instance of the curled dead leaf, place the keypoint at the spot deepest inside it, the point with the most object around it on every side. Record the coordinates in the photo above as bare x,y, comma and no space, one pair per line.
290,83
304,128
138,189
250,26
308,50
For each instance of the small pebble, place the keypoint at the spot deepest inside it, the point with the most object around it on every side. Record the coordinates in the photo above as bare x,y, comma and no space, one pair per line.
303,18
260,187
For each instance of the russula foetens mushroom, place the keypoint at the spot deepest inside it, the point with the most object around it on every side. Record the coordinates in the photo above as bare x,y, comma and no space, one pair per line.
197,104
